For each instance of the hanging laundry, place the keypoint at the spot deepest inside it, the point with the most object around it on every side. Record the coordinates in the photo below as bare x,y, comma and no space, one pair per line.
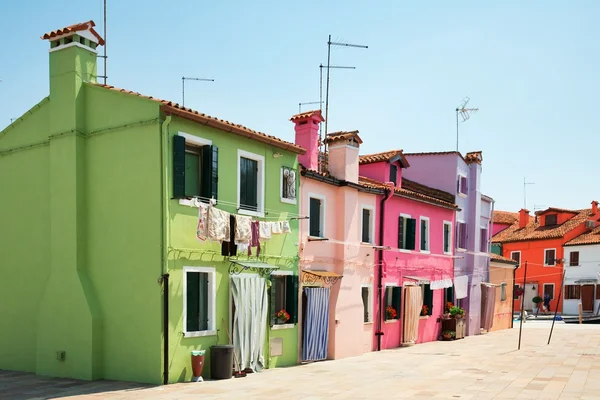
264,230
285,227
255,240
242,247
243,229
228,246
276,227
218,224
201,228
461,284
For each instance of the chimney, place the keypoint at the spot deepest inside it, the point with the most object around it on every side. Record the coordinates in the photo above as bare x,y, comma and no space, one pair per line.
307,136
594,207
523,218
343,148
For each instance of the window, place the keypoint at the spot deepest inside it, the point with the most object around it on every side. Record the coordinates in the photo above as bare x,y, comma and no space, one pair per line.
250,183
516,255
550,220
424,234
284,296
549,257
449,294
391,300
574,259
462,185
367,225
597,292
549,289
407,228
483,239
516,290
288,185
195,167
316,212
461,235
447,237
428,298
199,301
503,291
367,300
572,292
393,174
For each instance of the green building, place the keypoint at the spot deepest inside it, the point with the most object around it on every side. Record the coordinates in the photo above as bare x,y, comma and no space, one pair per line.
104,277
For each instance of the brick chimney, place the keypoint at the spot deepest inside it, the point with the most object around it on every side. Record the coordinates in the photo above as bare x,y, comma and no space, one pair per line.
594,207
343,148
307,136
523,218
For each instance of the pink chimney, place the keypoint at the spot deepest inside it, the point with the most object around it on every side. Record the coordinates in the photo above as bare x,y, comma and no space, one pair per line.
523,218
343,148
307,136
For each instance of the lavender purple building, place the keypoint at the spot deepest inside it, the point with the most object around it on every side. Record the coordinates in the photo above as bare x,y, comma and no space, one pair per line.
453,173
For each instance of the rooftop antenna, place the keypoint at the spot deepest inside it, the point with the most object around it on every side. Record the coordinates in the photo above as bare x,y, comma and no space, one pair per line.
525,183
185,78
464,113
104,56
329,44
538,207
305,104
321,66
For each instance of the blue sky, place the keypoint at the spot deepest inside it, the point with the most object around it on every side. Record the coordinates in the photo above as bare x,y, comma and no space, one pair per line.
532,69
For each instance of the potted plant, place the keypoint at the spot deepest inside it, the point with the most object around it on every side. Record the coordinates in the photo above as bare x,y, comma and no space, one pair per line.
457,312
424,310
282,317
536,300
390,313
448,335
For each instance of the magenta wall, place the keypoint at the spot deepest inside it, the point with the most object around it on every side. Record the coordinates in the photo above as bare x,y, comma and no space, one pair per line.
498,228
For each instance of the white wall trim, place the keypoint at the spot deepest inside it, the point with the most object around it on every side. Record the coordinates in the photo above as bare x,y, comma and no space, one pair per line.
371,223
450,236
554,262
511,255
195,140
323,215
427,240
260,208
212,291
72,44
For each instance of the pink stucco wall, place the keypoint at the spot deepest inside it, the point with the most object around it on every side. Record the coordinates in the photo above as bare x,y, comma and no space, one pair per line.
498,228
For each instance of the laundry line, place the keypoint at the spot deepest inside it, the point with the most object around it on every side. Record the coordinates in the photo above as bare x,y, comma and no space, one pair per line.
195,203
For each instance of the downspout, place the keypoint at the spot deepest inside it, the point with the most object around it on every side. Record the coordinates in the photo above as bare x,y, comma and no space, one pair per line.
379,332
512,309
164,279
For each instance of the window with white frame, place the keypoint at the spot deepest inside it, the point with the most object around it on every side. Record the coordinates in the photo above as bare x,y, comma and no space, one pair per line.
199,301
462,185
424,234
316,216
483,235
407,229
516,256
251,178
195,167
574,259
366,292
549,257
288,185
549,290
367,226
284,298
391,299
461,235
447,237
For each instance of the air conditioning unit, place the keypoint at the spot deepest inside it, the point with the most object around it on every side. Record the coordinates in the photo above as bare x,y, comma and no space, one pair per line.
590,224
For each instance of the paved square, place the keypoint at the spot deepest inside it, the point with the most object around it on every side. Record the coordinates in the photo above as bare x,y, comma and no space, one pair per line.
481,367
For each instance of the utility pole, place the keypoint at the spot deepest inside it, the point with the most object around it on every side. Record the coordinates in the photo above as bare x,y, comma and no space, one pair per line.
185,78
464,113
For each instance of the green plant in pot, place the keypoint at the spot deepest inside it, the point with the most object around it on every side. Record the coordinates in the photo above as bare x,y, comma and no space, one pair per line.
457,312
448,335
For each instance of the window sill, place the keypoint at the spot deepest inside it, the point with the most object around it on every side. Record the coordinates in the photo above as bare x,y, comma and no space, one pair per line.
367,243
199,334
425,251
548,265
368,323
458,249
405,250
259,214
447,253
424,316
464,196
317,238
390,321
288,201
282,326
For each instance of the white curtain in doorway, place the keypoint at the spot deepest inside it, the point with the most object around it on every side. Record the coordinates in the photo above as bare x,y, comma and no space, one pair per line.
250,320
316,325
413,303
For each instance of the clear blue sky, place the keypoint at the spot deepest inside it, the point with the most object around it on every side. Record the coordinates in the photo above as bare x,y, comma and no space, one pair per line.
532,69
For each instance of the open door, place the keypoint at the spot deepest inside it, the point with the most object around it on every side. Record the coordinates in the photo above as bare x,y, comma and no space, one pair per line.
587,298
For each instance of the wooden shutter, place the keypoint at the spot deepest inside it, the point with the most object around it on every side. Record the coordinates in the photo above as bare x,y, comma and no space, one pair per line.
401,233
464,186
484,240
393,174
428,298
423,234
366,226
192,301
315,217
550,256
178,167
273,299
446,238
365,299
203,278
210,172
291,300
411,228
248,184
396,299
574,259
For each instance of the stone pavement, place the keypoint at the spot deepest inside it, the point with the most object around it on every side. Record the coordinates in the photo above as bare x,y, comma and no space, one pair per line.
481,367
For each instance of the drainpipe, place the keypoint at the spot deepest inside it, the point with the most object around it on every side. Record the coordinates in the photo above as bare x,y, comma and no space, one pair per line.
512,309
379,332
164,279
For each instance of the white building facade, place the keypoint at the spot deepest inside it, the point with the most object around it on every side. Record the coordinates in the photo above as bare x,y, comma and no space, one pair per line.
582,272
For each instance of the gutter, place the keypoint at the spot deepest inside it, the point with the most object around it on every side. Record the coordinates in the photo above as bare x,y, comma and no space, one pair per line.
512,311
164,279
379,332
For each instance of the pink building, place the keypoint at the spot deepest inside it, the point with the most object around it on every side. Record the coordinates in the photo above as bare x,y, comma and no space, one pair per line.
414,266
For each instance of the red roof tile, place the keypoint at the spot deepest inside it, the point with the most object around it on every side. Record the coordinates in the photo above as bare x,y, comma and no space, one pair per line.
501,259
308,114
591,237
337,136
554,209
175,109
384,156
84,26
469,158
505,217
474,157
414,191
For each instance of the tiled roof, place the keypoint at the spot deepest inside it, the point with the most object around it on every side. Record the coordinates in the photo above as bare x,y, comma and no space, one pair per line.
173,108
415,191
336,136
385,156
505,217
469,158
591,237
496,258
557,210
474,157
533,230
84,26
307,114
433,153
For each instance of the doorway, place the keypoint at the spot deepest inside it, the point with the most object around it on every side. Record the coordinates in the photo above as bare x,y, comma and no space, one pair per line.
315,323
587,298
529,294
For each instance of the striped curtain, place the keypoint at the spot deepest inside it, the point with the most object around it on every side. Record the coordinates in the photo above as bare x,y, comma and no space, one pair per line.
413,304
488,300
316,324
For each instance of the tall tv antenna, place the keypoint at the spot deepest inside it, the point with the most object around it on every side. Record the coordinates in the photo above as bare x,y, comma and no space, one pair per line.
185,78
525,183
329,44
305,104
321,66
104,56
464,114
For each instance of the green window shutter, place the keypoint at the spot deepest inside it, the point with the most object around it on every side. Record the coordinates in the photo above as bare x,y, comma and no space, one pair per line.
248,184
178,167
446,238
423,236
385,303
192,174
366,224
192,302
210,172
214,185
315,217
396,299
411,228
272,301
393,174
203,301
450,294
428,298
291,301
401,233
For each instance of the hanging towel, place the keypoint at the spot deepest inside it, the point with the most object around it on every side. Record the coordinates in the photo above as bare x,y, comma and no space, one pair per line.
218,224
276,228
243,229
255,240
228,247
436,285
201,229
264,230
460,286
285,227
242,247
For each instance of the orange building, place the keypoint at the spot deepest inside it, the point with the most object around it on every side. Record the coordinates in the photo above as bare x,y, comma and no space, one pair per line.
539,242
